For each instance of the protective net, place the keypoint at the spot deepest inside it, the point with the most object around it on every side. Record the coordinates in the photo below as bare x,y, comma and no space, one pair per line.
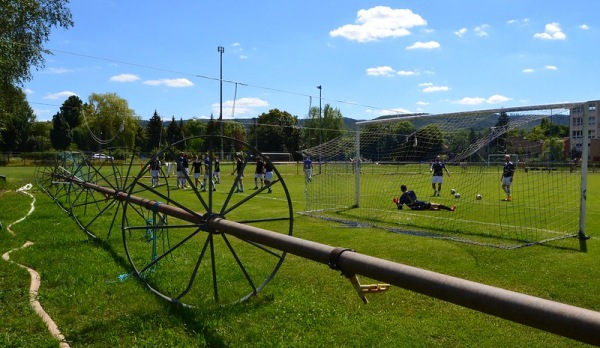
357,175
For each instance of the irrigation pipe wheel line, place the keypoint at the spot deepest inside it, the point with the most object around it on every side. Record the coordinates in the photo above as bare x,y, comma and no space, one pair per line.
99,214
182,259
51,177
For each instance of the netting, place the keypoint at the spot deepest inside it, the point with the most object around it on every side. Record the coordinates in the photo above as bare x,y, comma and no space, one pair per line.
361,172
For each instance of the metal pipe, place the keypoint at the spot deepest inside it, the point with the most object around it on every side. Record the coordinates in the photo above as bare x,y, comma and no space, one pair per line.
569,321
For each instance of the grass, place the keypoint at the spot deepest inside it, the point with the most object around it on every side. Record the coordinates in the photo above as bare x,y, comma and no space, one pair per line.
306,303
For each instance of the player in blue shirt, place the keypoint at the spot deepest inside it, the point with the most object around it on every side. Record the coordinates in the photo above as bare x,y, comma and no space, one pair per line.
409,198
308,169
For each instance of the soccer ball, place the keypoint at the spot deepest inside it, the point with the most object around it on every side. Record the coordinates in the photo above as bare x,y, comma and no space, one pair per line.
478,197
457,195
453,191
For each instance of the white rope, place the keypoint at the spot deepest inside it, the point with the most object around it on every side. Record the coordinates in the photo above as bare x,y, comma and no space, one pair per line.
33,298
23,190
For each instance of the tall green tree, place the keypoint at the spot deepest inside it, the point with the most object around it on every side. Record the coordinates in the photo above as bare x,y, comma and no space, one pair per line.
25,26
64,122
61,134
154,132
17,118
107,121
71,111
328,127
277,131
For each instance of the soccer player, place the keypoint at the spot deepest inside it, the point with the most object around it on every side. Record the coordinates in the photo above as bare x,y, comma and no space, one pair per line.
197,165
259,173
268,173
308,169
507,177
239,168
217,171
207,173
409,198
437,167
155,170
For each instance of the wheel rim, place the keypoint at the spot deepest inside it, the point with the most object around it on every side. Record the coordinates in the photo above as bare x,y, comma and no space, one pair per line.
184,261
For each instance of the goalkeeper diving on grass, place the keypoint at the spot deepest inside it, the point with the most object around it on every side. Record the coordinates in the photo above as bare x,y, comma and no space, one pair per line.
409,197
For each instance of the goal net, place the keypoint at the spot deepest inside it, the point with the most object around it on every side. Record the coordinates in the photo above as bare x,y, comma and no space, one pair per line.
279,156
361,172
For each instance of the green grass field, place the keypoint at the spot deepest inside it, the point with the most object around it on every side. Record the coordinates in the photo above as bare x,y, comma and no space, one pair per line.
305,304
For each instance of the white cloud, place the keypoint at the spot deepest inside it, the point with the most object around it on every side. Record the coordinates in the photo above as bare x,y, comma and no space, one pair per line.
481,30
124,78
431,89
552,32
175,83
243,106
422,103
471,101
27,91
425,84
523,21
461,32
584,27
60,95
528,70
550,67
243,56
424,45
381,71
379,22
407,73
495,99
58,70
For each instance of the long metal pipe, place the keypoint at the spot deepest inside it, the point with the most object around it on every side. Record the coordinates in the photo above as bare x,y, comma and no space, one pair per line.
569,321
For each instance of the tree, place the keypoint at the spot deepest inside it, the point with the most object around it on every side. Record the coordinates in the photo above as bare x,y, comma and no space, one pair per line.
328,127
25,26
17,118
61,134
64,122
71,111
174,132
107,121
154,130
277,131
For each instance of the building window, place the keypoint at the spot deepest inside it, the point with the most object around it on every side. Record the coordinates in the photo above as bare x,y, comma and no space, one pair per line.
592,120
592,106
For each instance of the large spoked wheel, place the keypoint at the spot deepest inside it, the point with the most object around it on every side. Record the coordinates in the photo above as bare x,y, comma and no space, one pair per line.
53,177
170,245
99,213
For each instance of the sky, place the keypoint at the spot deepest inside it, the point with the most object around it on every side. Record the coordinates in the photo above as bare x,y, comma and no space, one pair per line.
371,58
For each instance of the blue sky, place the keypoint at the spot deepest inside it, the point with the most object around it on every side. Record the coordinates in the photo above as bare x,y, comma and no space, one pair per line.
371,58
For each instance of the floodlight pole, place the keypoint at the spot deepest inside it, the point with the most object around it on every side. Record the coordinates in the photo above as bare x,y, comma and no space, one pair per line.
221,50
320,127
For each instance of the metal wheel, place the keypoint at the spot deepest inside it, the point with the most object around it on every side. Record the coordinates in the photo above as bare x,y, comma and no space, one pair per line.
180,258
52,177
98,213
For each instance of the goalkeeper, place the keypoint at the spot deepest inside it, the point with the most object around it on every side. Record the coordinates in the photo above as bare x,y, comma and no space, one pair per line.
409,198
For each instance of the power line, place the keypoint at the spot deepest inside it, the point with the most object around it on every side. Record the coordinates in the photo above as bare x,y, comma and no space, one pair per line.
206,77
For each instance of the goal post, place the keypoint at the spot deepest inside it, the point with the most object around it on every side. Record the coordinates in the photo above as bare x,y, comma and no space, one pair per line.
363,170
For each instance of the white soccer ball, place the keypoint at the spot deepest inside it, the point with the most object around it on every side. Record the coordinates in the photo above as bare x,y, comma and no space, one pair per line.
478,196
457,195
452,191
